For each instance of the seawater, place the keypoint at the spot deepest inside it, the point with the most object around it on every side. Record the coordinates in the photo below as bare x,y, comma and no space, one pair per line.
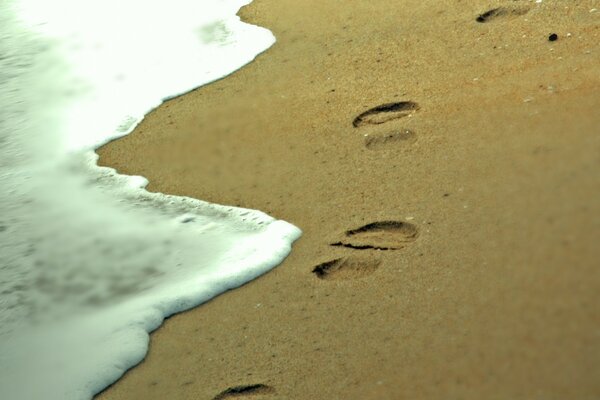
90,262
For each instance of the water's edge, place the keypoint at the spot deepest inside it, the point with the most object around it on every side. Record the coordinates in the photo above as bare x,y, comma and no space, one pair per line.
91,262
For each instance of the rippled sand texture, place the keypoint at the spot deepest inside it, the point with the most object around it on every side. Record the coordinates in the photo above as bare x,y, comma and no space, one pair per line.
442,162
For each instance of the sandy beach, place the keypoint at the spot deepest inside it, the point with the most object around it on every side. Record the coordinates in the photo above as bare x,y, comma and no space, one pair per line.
445,172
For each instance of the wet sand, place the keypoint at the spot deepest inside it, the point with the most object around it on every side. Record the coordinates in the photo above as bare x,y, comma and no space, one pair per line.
454,230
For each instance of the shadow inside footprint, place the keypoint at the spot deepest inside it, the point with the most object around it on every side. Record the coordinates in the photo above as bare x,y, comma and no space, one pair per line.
385,112
382,235
352,267
245,390
376,142
501,12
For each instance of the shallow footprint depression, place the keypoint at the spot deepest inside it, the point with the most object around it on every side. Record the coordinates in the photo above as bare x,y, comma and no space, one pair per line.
346,268
494,13
382,141
244,391
381,235
385,112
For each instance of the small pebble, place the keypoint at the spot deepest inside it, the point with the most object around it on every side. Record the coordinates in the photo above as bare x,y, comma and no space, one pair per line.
553,37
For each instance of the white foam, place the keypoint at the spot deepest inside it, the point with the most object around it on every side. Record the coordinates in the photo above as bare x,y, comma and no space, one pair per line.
90,262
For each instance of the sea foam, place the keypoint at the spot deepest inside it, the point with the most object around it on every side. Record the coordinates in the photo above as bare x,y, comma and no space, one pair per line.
90,262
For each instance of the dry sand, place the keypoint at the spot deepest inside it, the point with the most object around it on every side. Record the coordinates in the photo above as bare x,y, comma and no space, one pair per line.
489,288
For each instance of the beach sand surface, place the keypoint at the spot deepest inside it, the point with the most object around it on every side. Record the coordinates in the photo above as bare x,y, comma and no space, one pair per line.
454,230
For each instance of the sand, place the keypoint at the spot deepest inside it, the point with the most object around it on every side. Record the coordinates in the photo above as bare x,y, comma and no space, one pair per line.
466,218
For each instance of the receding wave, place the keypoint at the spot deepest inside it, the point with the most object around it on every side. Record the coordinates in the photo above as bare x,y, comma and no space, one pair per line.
90,262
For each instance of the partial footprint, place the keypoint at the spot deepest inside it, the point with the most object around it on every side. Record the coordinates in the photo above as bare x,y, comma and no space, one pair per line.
246,390
376,142
501,12
351,267
381,235
385,112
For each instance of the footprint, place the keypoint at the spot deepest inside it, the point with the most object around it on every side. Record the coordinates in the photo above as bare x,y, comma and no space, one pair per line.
346,268
381,235
501,12
244,390
385,112
377,142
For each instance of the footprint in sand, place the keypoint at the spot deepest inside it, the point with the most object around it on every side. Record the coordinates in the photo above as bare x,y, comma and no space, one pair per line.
385,112
381,141
351,267
244,391
494,13
381,235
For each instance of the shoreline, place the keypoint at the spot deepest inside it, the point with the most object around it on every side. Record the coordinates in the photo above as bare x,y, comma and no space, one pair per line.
488,285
